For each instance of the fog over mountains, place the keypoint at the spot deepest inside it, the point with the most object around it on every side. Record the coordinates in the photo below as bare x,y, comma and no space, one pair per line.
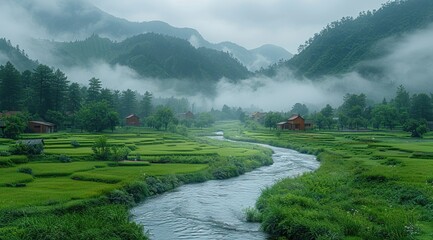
77,20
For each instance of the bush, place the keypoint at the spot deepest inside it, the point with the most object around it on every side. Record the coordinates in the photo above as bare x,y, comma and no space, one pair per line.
121,197
26,149
138,190
101,149
25,170
253,215
5,153
75,144
119,153
4,163
64,159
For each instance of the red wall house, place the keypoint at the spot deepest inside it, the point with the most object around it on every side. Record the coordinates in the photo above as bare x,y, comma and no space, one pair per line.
132,120
296,122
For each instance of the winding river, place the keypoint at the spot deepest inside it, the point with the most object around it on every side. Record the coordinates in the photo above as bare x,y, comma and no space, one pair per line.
215,209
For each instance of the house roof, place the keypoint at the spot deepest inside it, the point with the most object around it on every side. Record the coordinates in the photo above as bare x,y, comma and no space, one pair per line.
281,123
32,141
132,115
295,117
43,123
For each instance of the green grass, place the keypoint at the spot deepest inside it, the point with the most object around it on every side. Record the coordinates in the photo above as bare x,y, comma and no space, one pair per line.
371,185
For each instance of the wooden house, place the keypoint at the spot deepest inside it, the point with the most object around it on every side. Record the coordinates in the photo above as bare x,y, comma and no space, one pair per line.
186,116
41,127
296,122
132,120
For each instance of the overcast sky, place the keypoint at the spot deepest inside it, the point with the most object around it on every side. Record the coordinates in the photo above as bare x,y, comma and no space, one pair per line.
250,23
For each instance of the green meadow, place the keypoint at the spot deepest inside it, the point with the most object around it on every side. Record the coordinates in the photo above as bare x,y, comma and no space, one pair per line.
370,185
66,181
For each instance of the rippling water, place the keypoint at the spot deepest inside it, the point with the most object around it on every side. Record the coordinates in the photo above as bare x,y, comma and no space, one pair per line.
214,209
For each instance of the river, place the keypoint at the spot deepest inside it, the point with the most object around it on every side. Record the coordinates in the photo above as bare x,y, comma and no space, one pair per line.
215,209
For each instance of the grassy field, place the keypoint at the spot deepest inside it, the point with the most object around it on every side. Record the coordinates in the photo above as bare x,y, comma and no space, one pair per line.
371,185
51,196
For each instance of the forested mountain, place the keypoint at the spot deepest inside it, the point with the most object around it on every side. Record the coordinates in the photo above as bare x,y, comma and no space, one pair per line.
72,20
152,55
15,55
342,45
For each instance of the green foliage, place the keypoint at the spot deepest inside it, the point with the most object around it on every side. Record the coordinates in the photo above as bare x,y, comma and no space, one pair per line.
97,116
101,149
416,128
25,170
272,118
99,223
21,148
343,44
75,143
14,125
121,197
119,153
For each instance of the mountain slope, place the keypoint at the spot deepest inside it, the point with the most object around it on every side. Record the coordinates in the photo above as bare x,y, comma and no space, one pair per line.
73,20
16,56
152,55
343,45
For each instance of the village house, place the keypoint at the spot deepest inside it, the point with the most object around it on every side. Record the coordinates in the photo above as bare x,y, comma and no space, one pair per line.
186,116
41,127
132,120
296,122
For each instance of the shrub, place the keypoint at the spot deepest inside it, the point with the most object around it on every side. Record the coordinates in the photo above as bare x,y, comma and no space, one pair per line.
25,170
26,149
119,153
4,163
138,190
5,153
64,159
253,215
121,197
101,149
75,144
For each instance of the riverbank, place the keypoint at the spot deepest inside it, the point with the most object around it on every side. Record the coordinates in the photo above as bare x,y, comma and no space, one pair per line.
216,209
371,185
83,199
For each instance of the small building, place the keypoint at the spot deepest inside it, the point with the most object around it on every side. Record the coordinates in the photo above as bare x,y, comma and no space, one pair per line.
132,120
296,122
186,116
258,116
41,127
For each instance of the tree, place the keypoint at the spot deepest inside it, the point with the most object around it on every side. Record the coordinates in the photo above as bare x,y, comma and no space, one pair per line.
204,120
402,104
10,88
74,98
94,90
14,126
96,117
42,78
146,105
128,103
415,127
165,116
386,115
271,119
59,88
421,107
353,111
325,117
300,109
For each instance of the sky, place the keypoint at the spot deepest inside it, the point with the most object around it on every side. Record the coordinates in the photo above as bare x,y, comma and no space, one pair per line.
286,23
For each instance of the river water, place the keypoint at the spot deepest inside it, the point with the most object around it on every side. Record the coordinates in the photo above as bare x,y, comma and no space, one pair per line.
215,209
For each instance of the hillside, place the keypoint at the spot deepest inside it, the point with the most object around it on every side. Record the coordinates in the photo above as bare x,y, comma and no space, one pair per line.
74,20
15,55
342,45
152,55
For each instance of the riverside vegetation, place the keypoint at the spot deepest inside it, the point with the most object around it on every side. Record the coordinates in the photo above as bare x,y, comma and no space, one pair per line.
371,185
66,193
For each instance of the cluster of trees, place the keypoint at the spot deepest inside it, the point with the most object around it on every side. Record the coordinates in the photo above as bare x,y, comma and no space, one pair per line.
411,113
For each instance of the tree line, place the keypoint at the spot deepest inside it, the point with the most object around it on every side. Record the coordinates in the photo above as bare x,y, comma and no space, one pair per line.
411,113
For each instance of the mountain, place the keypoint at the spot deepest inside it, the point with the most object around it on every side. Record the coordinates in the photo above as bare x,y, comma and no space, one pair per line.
152,55
346,45
73,20
16,56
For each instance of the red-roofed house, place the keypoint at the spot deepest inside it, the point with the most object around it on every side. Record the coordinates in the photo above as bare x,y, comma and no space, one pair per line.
41,127
296,122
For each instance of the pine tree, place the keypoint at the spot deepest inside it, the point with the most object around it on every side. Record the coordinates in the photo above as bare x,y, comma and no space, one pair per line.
10,88
94,90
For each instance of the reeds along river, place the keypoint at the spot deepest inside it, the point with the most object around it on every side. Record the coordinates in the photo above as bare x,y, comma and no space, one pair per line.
215,209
